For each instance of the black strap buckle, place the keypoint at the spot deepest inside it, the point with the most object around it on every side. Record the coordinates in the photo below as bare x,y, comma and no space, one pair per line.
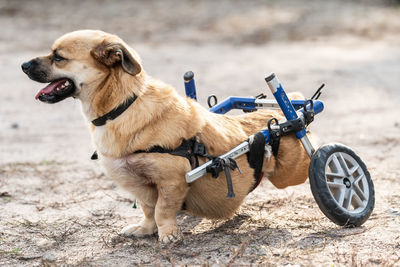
215,168
219,164
274,136
199,149
295,125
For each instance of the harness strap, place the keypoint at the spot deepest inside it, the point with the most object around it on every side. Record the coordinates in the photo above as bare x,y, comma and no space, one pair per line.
189,149
275,140
255,157
192,149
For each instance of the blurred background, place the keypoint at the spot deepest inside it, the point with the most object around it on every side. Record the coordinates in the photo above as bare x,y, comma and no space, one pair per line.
353,46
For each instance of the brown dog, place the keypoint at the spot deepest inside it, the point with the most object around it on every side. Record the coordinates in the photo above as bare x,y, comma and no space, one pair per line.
102,71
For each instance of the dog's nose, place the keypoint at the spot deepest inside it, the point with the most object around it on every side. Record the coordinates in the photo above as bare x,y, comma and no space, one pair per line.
26,66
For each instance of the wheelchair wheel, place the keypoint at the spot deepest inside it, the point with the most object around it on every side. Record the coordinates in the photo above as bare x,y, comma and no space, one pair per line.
341,185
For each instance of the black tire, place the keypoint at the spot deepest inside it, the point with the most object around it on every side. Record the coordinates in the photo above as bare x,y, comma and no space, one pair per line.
330,194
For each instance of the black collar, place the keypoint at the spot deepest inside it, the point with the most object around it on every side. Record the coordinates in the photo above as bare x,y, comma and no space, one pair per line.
100,121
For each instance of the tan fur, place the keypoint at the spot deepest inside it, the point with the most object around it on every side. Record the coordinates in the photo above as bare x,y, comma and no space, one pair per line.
161,117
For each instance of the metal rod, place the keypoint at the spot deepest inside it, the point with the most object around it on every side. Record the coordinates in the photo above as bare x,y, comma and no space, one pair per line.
307,145
195,174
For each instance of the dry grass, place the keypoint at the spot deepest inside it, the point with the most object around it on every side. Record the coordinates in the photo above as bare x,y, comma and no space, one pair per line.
273,231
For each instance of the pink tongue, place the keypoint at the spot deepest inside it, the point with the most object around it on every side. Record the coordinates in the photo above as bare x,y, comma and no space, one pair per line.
49,88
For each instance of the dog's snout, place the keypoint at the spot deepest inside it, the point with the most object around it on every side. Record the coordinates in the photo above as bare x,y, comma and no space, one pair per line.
29,65
36,70
26,66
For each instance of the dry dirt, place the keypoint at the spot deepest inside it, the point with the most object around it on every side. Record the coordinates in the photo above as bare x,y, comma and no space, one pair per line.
58,208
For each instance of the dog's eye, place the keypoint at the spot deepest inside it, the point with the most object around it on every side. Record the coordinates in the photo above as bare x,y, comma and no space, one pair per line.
57,57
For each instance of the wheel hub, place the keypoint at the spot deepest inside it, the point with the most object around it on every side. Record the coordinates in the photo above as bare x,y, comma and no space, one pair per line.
347,182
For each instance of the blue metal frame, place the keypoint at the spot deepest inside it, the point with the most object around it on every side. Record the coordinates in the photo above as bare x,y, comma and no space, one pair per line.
234,102
291,109
190,89
288,107
248,103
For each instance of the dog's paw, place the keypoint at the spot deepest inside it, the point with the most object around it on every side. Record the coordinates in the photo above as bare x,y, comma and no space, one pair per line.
138,230
170,236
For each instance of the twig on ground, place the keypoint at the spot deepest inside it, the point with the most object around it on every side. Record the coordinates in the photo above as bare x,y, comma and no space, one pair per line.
28,258
5,194
105,242
118,198
238,253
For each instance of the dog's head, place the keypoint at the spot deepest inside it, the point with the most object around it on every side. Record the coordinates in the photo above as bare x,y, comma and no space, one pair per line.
79,63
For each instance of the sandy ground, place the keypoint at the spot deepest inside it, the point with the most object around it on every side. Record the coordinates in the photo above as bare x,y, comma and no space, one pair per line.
58,208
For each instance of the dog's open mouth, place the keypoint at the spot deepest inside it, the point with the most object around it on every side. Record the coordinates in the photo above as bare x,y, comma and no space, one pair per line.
56,91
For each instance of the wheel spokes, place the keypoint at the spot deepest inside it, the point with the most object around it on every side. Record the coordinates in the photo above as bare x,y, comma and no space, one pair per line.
357,202
346,182
336,165
354,169
348,197
343,164
358,179
359,192
340,200
332,174
336,185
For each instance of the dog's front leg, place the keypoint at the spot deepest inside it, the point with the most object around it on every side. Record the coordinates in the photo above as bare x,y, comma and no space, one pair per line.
146,227
170,200
158,182
128,173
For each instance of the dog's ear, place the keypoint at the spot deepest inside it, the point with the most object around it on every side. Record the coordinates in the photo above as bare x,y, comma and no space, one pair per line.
114,54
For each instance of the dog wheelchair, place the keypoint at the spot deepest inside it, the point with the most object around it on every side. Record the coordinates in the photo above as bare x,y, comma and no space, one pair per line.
339,179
